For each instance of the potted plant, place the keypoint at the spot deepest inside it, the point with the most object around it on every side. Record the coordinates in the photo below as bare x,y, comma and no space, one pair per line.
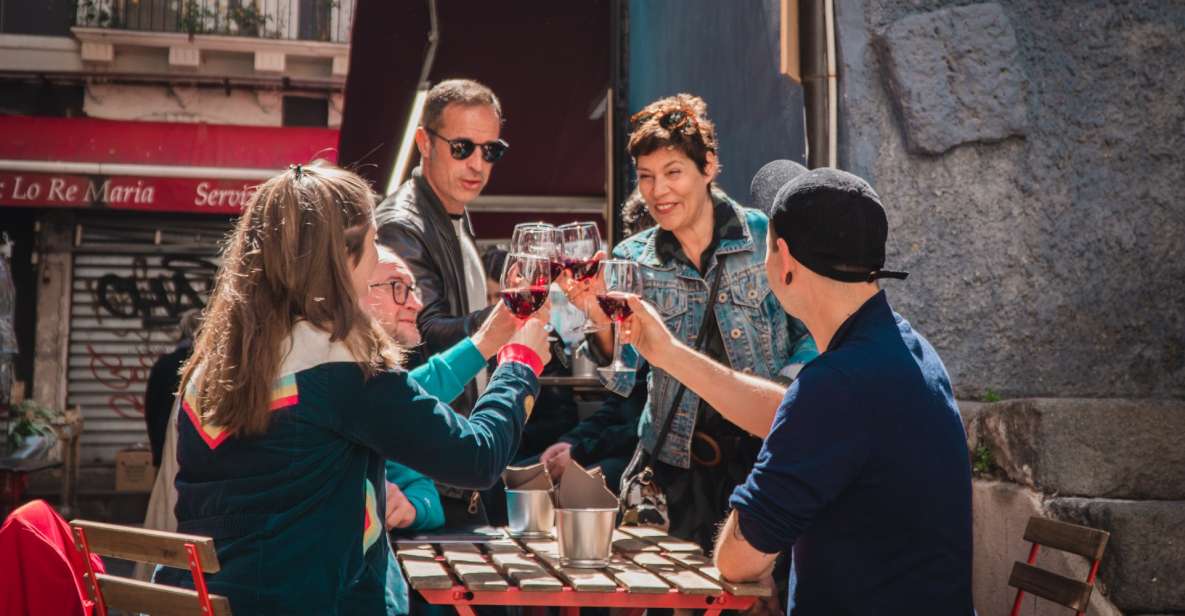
248,19
30,432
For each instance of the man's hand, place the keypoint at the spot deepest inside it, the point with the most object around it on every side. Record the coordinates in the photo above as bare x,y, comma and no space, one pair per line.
496,331
534,335
646,331
400,512
556,458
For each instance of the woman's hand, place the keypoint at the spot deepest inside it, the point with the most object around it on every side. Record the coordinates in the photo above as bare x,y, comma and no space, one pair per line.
496,330
533,335
400,512
583,293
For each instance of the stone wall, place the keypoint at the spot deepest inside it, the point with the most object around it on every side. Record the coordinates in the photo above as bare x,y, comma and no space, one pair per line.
1030,157
1115,465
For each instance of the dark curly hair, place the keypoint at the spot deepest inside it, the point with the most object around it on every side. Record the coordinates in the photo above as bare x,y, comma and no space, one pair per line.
679,121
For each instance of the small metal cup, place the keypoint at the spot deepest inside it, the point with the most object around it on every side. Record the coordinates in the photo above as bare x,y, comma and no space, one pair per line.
585,536
530,513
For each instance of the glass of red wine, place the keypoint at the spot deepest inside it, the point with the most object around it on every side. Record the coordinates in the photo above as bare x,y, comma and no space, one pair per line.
579,244
621,277
539,239
525,282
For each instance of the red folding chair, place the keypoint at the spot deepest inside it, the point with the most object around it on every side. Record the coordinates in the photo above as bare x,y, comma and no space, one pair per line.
150,546
1081,540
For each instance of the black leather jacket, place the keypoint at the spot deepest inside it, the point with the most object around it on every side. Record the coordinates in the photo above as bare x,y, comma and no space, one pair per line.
414,225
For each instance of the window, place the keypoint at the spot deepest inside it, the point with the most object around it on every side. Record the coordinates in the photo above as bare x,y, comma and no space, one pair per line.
306,111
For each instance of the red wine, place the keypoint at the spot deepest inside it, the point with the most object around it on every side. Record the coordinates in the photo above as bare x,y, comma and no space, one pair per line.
524,302
557,268
616,308
582,269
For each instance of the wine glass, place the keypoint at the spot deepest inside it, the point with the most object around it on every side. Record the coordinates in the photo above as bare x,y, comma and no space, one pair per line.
539,239
579,244
621,277
525,282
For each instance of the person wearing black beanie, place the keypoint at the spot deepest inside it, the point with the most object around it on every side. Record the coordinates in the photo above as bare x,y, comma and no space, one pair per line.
864,469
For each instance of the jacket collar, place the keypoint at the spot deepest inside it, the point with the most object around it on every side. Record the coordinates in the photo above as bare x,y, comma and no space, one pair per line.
730,233
434,208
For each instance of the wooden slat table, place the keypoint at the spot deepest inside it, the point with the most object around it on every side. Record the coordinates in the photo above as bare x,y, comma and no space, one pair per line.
648,570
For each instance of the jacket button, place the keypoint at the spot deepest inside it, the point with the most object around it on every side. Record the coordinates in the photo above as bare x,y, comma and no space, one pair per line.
723,297
752,293
735,333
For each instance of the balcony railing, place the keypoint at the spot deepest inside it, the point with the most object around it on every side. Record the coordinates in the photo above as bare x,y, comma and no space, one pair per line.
304,20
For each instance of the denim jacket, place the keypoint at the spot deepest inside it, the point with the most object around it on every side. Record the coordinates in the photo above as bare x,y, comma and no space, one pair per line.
757,337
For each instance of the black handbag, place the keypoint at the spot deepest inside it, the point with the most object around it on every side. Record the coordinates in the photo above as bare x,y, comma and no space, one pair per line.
642,500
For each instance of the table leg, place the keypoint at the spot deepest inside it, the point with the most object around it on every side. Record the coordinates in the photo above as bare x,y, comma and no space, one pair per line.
570,610
464,610
627,611
711,612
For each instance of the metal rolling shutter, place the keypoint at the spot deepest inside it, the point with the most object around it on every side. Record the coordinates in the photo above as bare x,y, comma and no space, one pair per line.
132,282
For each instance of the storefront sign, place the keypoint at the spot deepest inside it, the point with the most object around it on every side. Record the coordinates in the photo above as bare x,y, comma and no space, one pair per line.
210,196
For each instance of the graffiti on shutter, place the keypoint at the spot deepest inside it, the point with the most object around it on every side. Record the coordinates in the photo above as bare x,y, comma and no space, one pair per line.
124,315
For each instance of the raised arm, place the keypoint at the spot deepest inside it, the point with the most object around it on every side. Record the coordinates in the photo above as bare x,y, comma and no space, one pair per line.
394,416
746,400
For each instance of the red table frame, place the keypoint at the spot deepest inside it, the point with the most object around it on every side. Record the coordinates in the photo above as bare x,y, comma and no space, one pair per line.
570,601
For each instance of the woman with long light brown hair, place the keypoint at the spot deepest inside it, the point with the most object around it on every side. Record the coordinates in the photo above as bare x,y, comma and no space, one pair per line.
293,398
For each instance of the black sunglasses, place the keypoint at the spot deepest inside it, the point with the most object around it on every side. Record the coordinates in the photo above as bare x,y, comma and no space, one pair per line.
671,120
461,149
399,290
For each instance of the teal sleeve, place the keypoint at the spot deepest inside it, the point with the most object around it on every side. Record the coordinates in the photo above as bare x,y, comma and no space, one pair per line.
422,493
393,416
804,350
445,375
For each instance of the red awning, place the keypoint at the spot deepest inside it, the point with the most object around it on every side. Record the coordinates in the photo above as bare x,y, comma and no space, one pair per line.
146,166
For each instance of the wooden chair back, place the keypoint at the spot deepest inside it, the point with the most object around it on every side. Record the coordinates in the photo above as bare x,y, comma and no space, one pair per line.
190,552
1081,540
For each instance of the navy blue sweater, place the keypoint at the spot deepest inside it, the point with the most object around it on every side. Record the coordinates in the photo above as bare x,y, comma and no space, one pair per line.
865,472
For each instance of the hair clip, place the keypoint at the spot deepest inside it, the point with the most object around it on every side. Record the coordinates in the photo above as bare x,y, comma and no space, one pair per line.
297,169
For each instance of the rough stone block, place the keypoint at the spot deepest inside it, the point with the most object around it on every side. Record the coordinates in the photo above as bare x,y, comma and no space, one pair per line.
955,74
1144,565
1000,512
1114,448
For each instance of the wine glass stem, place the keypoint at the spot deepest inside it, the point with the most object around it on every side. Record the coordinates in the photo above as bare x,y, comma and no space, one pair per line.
617,345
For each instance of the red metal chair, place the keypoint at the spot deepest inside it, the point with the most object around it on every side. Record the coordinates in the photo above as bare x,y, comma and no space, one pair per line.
1081,540
150,546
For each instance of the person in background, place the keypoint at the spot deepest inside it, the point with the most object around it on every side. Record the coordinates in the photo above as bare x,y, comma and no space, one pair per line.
293,398
864,469
161,392
427,224
493,261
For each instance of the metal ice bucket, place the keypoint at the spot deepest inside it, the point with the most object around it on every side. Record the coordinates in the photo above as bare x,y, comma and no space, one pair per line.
585,536
530,513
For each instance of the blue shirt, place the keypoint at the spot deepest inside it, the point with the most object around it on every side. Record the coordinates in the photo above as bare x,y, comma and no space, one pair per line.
865,472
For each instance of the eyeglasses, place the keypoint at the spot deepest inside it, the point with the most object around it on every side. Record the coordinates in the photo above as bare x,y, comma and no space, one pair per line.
670,119
461,149
399,290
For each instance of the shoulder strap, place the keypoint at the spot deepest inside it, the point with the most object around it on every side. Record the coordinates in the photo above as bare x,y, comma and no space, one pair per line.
700,341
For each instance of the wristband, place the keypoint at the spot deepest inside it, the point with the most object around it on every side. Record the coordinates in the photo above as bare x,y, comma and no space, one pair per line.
522,354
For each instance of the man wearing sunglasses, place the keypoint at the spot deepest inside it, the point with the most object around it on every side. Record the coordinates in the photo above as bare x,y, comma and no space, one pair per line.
425,223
